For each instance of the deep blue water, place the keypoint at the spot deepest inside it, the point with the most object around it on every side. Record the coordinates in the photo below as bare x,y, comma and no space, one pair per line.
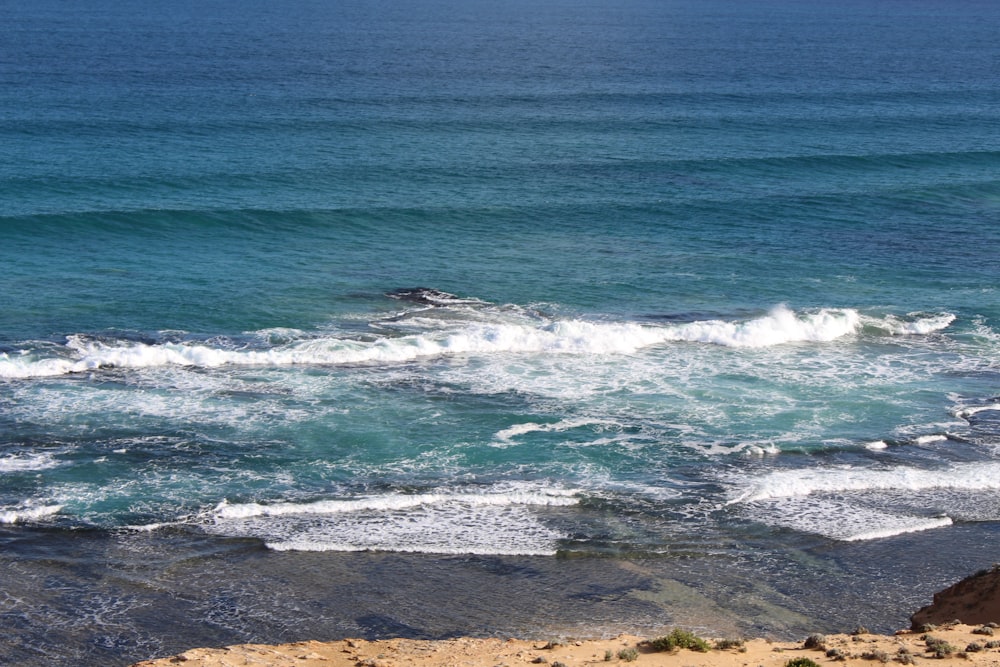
404,313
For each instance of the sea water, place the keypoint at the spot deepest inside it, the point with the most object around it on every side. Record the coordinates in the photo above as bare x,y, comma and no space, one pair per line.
369,318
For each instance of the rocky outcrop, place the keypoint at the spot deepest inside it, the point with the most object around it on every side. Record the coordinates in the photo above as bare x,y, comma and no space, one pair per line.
974,600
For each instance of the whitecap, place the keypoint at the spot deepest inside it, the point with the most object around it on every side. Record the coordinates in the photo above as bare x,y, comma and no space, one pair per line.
965,413
27,462
983,476
914,323
841,520
397,501
491,522
768,449
778,327
448,339
27,513
559,426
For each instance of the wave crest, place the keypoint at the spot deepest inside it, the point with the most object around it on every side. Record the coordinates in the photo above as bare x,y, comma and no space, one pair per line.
780,326
792,483
493,522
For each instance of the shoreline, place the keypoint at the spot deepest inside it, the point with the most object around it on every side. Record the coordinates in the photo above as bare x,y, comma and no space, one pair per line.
931,636
964,645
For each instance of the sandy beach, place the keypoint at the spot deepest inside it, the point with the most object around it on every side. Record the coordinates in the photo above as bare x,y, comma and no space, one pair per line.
937,633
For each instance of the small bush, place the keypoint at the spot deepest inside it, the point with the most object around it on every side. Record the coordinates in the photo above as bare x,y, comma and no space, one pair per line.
974,647
609,655
939,647
680,639
993,644
943,650
817,642
880,656
983,630
724,644
800,662
628,654
836,654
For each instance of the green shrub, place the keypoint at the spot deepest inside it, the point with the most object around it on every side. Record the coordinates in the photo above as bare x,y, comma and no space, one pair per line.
939,647
880,656
680,639
628,654
800,662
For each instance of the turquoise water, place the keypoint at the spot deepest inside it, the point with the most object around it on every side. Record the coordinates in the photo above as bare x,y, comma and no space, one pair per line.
690,292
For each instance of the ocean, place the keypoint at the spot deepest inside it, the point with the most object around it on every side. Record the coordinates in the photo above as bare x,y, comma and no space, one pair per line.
362,318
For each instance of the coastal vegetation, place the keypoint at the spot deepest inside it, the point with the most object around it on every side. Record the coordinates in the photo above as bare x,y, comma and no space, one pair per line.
678,639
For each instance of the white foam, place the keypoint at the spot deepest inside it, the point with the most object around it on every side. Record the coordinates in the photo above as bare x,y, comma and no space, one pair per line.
767,449
841,520
493,522
780,326
27,462
153,527
877,445
559,337
395,502
512,532
917,324
928,439
27,513
563,425
965,413
897,525
279,334
28,366
984,476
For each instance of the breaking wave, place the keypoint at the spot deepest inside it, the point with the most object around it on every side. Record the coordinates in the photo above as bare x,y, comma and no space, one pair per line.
495,522
803,482
28,513
852,504
27,462
556,337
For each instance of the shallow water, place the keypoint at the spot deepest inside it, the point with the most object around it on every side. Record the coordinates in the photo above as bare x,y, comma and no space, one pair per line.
93,598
